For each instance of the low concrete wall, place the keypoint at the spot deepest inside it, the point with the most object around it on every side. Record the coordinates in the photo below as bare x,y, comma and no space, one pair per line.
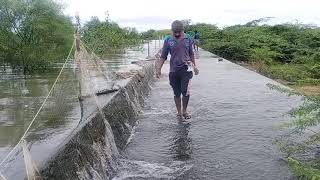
91,151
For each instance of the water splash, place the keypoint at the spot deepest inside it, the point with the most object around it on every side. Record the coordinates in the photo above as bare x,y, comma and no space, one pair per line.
2,177
29,164
146,170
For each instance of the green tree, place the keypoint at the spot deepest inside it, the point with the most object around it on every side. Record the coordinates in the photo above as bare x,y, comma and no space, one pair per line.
150,34
33,33
105,37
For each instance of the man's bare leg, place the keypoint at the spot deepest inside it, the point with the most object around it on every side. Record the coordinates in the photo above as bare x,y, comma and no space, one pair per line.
177,100
185,101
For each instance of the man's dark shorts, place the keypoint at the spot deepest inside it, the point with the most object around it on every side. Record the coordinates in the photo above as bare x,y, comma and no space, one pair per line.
180,80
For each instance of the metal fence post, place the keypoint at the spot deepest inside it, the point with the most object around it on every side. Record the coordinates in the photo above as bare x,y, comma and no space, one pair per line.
148,49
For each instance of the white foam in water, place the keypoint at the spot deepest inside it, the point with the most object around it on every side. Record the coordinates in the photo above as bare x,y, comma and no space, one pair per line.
83,175
2,177
30,168
96,175
132,130
142,169
156,111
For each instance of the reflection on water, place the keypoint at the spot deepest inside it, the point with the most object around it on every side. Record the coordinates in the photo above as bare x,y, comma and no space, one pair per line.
181,146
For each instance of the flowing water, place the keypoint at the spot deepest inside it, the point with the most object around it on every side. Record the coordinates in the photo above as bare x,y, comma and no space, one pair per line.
230,136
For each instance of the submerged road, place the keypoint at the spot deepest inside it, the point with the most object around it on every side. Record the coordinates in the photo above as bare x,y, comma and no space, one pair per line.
230,135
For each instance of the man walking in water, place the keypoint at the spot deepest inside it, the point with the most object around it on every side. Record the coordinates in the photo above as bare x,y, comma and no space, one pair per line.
181,64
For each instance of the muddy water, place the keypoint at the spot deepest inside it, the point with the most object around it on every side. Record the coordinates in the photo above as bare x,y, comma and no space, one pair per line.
21,96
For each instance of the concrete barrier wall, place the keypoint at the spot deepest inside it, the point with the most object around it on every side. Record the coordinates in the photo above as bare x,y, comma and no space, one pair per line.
91,151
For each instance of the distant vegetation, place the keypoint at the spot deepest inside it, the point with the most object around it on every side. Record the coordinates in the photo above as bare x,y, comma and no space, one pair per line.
287,51
106,37
153,34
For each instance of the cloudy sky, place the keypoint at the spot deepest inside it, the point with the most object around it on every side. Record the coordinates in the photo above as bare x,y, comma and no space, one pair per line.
148,14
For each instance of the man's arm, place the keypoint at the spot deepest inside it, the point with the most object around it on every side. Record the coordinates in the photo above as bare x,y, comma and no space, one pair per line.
163,58
193,61
196,70
159,67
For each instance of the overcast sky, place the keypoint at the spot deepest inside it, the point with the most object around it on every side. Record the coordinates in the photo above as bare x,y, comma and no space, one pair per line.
148,14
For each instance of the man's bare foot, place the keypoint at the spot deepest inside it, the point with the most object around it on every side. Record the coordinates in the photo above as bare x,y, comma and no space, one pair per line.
179,116
186,115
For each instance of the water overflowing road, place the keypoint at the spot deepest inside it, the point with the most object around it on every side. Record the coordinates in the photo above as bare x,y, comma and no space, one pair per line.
21,97
234,123
230,136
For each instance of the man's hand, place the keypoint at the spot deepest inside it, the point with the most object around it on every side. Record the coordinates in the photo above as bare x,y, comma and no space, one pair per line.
159,65
196,70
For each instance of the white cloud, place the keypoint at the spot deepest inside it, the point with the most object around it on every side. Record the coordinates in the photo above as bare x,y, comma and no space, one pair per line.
146,14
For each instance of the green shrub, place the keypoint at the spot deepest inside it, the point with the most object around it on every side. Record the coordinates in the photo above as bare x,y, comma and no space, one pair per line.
105,37
268,47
